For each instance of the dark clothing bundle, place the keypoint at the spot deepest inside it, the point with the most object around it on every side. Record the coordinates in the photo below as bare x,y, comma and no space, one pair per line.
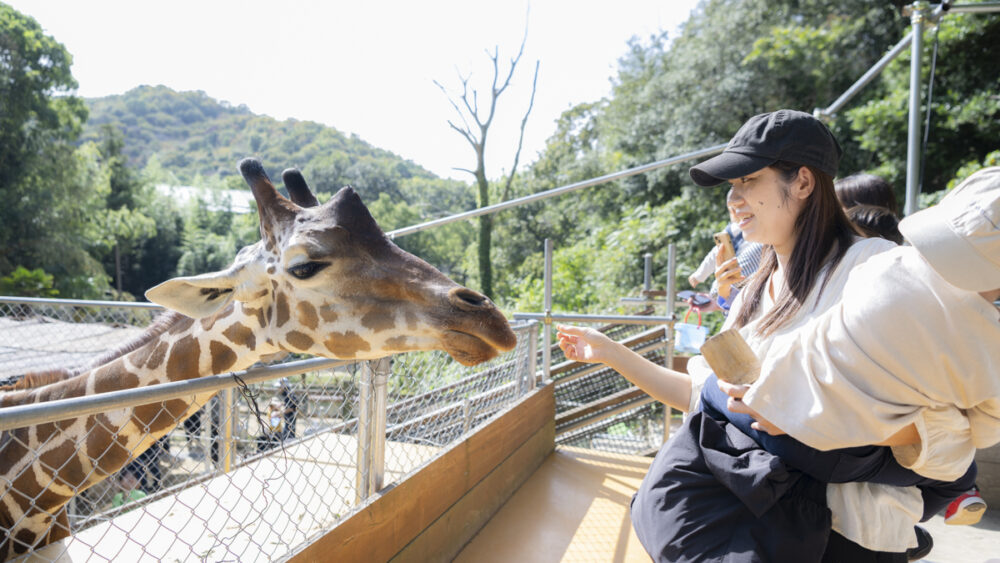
713,493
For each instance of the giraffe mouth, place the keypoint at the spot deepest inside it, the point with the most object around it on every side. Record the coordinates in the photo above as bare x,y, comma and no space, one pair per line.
467,349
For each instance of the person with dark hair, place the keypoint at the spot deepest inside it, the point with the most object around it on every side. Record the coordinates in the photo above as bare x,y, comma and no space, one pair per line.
875,221
146,466
716,490
866,189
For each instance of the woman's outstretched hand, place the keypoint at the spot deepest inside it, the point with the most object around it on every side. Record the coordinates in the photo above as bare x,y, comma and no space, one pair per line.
581,344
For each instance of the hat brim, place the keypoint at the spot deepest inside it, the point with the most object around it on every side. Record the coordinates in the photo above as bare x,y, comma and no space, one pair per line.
951,255
727,166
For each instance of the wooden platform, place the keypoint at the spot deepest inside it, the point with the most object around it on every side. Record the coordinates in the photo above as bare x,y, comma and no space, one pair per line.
573,508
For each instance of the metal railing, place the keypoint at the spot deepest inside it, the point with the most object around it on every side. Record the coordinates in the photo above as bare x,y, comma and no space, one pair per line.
595,406
225,483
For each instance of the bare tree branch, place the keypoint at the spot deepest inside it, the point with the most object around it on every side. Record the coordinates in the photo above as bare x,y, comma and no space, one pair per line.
520,140
465,130
471,112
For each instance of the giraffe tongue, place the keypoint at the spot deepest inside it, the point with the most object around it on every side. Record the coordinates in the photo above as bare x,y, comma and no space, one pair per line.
467,349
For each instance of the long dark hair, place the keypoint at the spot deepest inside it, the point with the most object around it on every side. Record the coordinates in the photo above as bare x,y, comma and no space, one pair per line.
823,235
866,189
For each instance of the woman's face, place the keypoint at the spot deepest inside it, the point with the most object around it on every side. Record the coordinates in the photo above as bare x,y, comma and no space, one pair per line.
766,208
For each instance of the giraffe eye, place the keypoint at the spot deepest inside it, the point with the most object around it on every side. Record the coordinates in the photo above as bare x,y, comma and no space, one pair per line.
307,270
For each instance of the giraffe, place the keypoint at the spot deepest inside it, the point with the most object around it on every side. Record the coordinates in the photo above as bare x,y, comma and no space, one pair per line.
323,280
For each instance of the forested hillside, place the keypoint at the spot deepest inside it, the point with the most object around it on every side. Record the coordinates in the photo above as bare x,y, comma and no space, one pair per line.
198,139
80,207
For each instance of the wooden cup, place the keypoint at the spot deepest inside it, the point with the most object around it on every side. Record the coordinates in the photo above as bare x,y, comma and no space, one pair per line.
731,358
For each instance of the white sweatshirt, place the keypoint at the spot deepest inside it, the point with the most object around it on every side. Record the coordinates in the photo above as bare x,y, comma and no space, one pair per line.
878,517
903,346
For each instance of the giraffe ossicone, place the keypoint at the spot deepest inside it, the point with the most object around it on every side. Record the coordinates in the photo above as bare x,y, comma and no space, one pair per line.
323,280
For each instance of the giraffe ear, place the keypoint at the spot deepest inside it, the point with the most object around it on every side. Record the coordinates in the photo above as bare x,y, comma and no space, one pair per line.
196,296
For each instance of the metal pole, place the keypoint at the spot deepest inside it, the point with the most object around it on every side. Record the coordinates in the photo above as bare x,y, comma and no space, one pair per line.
917,18
530,375
363,476
371,427
466,416
671,297
867,77
226,419
547,329
383,369
981,8
647,271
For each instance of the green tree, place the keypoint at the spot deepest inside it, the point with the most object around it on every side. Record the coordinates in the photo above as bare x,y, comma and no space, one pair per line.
125,226
43,183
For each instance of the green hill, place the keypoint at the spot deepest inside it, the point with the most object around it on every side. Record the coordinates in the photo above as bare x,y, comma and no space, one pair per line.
199,139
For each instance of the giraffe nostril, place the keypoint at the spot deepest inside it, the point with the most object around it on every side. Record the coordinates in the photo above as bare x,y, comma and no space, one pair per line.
467,299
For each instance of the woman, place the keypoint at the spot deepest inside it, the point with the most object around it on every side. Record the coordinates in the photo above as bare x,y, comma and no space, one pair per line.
712,491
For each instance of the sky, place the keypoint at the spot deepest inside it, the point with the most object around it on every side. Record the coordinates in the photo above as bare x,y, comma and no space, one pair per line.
364,67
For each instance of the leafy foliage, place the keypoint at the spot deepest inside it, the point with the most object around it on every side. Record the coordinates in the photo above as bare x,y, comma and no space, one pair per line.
23,282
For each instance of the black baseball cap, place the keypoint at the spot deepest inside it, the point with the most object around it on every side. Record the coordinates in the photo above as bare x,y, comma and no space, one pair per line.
787,135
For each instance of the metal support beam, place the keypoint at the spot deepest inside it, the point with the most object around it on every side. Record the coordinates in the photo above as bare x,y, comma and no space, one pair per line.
371,427
918,18
668,328
547,327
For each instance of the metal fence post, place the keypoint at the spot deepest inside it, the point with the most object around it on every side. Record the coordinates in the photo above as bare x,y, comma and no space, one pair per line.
226,418
647,273
671,298
918,13
371,427
531,371
547,329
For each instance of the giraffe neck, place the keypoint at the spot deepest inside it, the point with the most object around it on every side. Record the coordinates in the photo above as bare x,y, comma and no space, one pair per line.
46,464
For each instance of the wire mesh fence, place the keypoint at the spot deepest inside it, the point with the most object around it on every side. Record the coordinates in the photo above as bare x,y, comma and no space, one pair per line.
625,420
254,472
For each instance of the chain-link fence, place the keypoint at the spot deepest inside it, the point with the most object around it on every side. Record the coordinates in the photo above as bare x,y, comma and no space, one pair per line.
257,470
599,409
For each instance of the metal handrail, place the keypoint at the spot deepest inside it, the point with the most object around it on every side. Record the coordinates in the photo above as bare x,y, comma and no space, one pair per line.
980,8
61,409
78,302
831,110
557,191
581,318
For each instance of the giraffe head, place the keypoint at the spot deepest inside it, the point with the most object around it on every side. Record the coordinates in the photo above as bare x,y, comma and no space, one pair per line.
325,280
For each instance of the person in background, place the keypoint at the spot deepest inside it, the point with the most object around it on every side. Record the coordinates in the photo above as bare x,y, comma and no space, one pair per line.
273,430
866,189
128,483
730,274
875,221
291,402
146,466
730,271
